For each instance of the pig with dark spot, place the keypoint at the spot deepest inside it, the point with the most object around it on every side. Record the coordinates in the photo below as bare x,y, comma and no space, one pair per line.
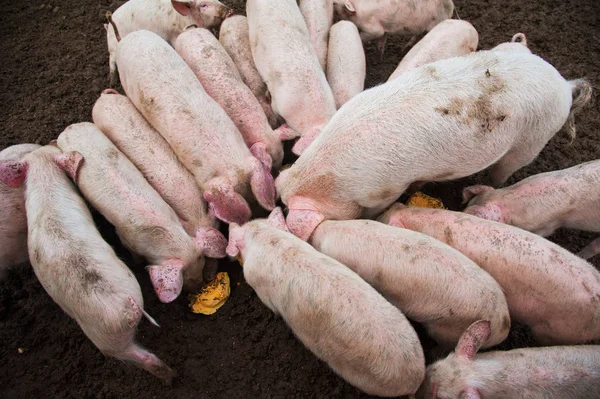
430,282
165,90
560,372
336,314
145,223
441,121
518,43
318,15
554,292
542,203
77,268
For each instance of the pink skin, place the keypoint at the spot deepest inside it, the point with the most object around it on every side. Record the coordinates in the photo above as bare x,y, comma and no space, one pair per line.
390,136
219,76
318,16
560,372
200,133
542,281
78,269
450,38
121,122
286,60
319,298
146,224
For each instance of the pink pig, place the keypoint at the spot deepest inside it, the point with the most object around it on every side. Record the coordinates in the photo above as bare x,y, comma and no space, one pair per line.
547,288
336,314
542,203
318,15
560,372
166,91
145,223
219,76
77,268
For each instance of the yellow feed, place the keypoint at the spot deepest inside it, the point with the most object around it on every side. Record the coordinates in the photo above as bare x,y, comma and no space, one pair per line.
421,200
212,296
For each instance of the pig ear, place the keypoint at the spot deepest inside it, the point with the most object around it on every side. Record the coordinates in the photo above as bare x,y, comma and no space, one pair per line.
12,173
167,279
389,216
211,242
470,393
277,220
286,133
305,141
490,212
472,191
70,162
471,340
184,7
263,186
349,7
303,222
259,150
226,204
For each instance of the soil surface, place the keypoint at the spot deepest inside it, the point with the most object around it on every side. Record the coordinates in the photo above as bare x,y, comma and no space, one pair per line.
54,66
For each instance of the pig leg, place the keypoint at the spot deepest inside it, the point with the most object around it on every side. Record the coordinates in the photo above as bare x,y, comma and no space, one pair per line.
12,173
112,75
381,45
147,361
167,279
210,269
211,242
305,141
262,185
225,203
590,250
520,155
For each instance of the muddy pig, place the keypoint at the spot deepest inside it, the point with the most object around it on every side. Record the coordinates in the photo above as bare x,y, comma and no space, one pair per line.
560,372
234,38
219,76
77,268
548,288
346,63
518,43
166,18
145,223
200,133
318,15
287,62
13,220
336,314
542,203
430,282
449,38
441,121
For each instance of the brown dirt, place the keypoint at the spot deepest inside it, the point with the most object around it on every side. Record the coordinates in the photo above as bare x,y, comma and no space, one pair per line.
55,64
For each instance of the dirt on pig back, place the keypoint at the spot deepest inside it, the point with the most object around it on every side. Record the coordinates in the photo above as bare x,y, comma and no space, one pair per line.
54,66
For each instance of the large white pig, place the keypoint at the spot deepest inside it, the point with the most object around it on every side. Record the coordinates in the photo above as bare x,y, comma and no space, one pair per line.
542,203
548,288
441,121
286,60
77,268
318,16
145,223
335,313
219,76
560,372
430,282
166,18
449,38
166,91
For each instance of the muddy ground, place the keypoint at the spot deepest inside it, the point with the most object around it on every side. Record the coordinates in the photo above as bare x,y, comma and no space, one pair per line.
53,66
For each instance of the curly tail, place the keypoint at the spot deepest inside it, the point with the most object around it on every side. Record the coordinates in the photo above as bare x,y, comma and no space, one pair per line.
582,94
110,20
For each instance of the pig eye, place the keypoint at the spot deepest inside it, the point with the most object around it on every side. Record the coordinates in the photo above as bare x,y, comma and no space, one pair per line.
203,6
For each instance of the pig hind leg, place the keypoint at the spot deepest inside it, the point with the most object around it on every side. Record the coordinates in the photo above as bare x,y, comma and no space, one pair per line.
145,360
112,75
590,250
519,156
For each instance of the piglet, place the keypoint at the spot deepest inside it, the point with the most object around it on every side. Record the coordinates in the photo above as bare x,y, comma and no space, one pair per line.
286,60
166,91
13,220
560,372
336,314
430,282
542,203
449,38
234,38
547,288
518,44
219,76
318,15
77,268
145,223
346,63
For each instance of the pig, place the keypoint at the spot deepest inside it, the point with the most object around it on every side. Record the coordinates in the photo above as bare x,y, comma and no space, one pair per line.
220,78
167,93
166,18
144,222
13,220
121,122
318,16
560,372
287,62
441,121
346,63
332,311
547,288
542,203
430,282
76,267
450,38
518,43
233,36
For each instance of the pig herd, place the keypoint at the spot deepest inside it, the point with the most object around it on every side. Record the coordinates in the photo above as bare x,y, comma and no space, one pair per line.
198,138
